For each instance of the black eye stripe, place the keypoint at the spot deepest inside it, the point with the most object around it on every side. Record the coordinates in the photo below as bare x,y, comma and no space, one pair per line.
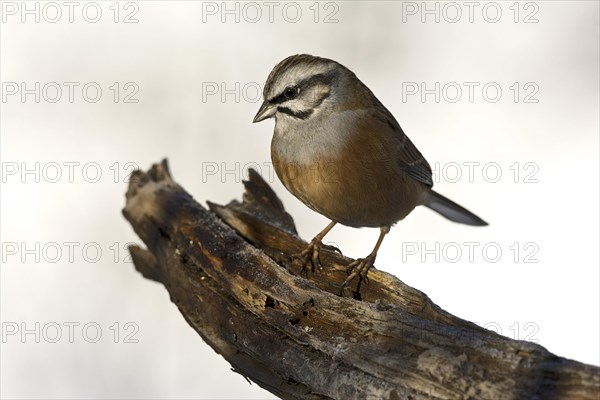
280,98
325,79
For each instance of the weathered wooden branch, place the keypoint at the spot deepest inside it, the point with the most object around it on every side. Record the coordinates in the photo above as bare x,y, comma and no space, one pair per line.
230,271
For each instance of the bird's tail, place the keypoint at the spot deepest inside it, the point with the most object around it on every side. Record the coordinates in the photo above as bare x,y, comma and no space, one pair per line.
451,210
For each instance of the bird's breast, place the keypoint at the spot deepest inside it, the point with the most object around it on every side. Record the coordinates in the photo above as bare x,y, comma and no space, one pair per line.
350,177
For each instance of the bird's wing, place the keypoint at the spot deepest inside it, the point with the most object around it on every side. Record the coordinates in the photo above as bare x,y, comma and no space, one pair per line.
409,158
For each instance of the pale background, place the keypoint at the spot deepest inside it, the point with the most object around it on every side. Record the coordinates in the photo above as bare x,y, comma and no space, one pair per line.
171,55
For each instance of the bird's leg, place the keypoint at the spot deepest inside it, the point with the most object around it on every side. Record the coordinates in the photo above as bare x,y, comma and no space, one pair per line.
361,266
310,255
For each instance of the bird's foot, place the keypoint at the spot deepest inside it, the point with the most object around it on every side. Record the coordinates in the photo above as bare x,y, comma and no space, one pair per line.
309,257
358,268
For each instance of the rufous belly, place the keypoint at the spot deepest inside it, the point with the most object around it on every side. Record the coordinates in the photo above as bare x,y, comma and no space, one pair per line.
358,188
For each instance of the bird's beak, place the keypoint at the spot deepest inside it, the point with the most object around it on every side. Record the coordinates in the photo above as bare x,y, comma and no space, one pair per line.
265,111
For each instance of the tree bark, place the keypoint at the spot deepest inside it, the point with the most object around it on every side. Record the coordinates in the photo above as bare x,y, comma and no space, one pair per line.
230,271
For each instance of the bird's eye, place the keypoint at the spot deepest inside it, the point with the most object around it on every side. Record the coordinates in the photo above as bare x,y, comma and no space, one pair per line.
291,91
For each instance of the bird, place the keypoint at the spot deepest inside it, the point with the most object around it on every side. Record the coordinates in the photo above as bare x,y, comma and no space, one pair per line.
339,150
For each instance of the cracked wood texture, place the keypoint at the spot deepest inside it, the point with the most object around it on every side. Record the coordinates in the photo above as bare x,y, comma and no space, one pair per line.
230,271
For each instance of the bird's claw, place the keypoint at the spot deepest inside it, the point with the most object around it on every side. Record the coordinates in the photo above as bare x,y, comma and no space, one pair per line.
358,268
310,257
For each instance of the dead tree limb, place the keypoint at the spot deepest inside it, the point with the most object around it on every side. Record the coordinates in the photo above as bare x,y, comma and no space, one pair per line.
229,271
